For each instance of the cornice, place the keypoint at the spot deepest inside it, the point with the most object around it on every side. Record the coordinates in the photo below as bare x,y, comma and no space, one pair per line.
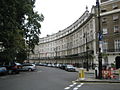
110,12
109,2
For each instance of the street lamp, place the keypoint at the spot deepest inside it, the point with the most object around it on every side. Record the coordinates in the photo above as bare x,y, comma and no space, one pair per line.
1,47
99,42
55,49
87,64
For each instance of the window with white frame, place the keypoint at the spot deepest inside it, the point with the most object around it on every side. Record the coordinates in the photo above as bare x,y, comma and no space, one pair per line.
115,17
105,31
116,28
90,25
115,6
117,45
103,10
104,20
105,46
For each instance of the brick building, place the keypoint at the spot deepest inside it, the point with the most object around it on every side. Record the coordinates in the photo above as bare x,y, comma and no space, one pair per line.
110,25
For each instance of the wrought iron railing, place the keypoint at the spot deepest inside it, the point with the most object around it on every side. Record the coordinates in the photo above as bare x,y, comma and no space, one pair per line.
111,50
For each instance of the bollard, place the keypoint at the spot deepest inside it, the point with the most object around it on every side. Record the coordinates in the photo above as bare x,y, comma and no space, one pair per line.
81,74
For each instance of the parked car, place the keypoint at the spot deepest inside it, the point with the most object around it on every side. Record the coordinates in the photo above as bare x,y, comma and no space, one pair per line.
28,67
53,65
19,66
41,64
70,68
57,65
3,70
49,65
45,64
12,67
37,64
63,66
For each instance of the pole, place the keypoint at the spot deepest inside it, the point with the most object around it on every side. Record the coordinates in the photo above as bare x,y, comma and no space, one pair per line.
87,66
39,56
99,42
55,49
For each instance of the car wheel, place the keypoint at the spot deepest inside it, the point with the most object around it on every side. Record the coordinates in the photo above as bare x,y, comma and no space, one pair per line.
17,72
29,69
10,71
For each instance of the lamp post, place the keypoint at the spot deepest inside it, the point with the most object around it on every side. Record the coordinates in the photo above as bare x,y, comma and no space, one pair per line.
1,47
87,64
55,49
99,42
39,55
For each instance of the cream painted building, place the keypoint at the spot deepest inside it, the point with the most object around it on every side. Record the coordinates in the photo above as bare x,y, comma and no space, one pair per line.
75,44
78,43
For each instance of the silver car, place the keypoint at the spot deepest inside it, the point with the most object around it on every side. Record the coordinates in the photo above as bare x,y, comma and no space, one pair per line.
28,67
70,68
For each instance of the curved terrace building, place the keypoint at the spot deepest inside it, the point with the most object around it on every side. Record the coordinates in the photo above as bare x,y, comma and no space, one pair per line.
75,44
78,44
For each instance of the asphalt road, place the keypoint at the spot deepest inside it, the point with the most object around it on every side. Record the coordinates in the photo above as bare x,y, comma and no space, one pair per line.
46,78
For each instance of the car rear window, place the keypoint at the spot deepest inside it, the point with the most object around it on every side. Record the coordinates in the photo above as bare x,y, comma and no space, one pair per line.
27,65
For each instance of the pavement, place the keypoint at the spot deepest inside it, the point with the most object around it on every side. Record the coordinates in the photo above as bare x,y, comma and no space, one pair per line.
89,77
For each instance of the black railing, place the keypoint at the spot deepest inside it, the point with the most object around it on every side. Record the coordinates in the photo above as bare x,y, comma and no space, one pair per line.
111,50
79,55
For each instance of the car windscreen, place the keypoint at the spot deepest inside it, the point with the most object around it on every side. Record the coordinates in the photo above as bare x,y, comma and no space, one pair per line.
69,66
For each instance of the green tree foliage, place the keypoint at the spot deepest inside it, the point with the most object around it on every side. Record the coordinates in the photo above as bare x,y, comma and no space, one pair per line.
19,28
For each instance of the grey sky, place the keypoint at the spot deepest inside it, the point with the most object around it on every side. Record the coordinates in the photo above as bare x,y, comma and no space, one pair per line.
59,14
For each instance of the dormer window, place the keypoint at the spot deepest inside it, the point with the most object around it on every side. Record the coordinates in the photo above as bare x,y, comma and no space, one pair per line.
114,6
103,10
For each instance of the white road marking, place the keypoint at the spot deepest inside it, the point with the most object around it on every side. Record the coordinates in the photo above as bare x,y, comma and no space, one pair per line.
78,86
71,85
75,88
74,83
82,83
67,88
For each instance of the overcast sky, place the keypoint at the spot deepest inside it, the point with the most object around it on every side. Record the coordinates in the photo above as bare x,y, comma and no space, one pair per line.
59,14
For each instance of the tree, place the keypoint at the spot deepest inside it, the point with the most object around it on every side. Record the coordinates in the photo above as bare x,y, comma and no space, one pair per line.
19,28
